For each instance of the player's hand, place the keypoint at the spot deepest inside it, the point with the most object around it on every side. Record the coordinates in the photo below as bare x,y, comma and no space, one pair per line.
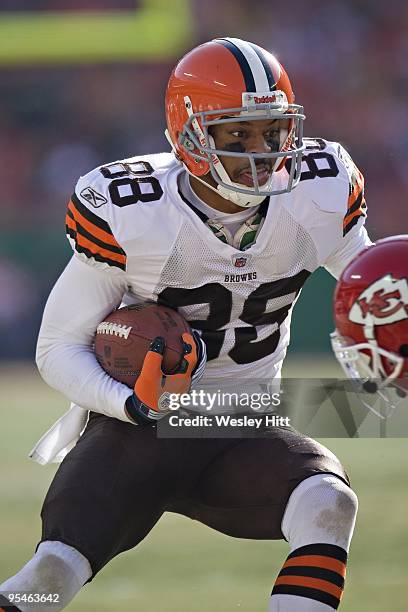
201,358
149,401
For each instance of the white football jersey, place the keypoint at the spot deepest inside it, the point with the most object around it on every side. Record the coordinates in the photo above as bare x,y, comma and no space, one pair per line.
131,215
136,238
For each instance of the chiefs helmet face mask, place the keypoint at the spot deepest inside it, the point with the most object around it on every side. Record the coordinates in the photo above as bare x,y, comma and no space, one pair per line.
371,317
230,80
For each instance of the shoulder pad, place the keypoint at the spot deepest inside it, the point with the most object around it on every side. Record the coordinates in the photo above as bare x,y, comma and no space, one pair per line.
100,196
356,204
332,181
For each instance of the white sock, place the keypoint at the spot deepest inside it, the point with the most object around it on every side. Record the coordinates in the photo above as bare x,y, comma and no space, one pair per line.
318,523
55,568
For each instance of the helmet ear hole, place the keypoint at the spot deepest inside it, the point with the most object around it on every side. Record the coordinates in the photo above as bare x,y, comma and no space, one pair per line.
403,350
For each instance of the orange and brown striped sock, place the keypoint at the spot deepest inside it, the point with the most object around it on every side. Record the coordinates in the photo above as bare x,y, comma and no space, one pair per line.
315,572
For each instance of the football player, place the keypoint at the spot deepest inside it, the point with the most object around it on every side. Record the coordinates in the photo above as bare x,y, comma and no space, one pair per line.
371,317
226,228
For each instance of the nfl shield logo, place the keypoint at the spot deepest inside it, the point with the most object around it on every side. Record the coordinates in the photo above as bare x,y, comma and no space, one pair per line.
240,262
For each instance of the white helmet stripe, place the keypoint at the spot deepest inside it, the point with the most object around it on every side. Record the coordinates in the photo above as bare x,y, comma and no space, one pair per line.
257,68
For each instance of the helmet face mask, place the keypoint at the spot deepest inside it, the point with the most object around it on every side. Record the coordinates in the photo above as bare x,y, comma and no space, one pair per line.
198,143
363,363
225,81
371,317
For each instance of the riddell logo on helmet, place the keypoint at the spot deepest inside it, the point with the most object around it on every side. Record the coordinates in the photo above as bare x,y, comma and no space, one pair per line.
264,99
278,98
383,302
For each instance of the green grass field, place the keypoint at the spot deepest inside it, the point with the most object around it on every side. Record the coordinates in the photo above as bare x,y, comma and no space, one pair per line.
183,565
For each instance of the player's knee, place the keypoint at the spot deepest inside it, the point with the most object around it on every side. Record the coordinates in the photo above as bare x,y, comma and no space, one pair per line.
337,509
322,508
54,568
51,571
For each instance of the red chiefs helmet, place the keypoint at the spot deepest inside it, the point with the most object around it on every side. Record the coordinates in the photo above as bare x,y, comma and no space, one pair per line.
222,81
371,317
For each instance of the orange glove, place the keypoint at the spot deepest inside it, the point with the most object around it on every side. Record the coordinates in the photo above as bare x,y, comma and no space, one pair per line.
147,404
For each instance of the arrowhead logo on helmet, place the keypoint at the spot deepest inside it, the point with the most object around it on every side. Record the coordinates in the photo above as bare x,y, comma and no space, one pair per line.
384,301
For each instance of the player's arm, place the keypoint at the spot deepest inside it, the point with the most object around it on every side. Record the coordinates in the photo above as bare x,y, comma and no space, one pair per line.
350,246
92,285
81,298
352,235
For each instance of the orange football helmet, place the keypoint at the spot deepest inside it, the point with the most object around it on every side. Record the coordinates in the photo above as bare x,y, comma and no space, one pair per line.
223,81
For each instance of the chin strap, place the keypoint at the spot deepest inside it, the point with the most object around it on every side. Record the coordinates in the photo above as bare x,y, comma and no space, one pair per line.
246,200
240,199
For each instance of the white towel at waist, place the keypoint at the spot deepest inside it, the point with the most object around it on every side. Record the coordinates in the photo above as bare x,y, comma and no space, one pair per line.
61,437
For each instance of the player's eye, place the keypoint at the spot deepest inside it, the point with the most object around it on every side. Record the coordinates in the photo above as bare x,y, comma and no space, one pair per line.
272,133
237,134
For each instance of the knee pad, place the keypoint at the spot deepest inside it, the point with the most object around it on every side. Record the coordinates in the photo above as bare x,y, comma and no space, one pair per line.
322,508
55,568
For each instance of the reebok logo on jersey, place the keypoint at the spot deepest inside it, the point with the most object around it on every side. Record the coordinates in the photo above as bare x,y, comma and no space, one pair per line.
239,278
93,197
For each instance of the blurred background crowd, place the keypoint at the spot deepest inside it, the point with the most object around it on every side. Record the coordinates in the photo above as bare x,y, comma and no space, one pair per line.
347,60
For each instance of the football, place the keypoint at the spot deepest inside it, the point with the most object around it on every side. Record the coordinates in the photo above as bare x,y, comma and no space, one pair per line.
123,339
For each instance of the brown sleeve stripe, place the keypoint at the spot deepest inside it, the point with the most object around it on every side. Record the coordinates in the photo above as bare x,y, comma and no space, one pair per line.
95,219
314,572
317,561
82,246
323,550
316,594
83,232
311,583
70,222
356,211
92,235
356,205
103,233
356,184
92,247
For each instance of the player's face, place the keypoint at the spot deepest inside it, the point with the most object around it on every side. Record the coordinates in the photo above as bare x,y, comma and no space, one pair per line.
261,136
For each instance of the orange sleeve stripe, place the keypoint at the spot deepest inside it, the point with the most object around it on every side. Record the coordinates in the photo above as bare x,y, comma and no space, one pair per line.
70,222
318,561
354,197
91,228
311,583
356,213
358,187
96,249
